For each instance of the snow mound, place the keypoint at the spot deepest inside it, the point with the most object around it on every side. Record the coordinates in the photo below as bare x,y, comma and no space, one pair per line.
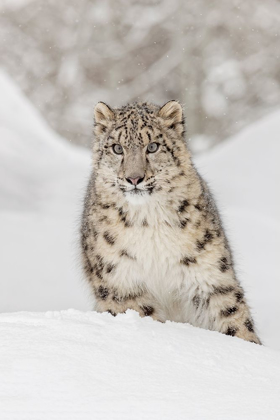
243,173
244,170
39,170
74,365
42,183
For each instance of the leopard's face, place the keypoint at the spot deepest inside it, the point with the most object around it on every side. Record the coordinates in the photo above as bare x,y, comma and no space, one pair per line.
137,153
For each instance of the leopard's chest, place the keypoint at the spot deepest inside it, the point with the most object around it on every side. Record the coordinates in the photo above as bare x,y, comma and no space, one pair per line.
151,257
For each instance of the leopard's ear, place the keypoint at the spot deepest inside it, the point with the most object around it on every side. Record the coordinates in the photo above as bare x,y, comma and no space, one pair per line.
103,115
172,115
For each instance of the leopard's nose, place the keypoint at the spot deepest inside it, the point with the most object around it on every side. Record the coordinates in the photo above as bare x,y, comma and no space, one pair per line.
135,180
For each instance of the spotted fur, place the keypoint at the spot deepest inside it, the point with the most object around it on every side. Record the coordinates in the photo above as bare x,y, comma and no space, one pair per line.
158,246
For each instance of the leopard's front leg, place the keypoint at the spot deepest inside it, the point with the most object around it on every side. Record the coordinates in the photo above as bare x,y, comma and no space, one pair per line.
112,301
232,315
225,310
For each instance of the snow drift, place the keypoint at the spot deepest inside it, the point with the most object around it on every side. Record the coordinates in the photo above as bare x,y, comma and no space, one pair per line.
74,365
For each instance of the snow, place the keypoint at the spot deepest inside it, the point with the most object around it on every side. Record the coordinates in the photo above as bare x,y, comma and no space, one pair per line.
84,365
243,173
44,172
42,182
78,364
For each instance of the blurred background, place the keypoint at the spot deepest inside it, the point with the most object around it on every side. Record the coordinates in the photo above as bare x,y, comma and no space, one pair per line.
219,58
59,58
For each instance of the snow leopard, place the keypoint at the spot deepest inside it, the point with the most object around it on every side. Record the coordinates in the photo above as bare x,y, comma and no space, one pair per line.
152,239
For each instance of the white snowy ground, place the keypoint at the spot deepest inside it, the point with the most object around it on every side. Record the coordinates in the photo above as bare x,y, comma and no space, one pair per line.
83,365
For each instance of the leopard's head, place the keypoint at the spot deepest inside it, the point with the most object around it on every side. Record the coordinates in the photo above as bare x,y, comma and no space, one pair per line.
139,149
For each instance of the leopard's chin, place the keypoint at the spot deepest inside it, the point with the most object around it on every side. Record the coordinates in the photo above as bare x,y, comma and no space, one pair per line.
136,196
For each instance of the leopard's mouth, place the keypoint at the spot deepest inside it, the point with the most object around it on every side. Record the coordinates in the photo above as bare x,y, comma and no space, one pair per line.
136,191
137,196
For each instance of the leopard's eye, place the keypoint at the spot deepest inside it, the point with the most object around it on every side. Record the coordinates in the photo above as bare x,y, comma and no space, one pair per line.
152,147
117,148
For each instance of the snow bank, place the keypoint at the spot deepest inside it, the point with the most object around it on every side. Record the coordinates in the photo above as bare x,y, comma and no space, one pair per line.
244,175
245,169
39,170
73,365
42,182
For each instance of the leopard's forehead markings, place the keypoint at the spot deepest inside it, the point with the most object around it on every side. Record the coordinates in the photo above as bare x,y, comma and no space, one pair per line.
135,123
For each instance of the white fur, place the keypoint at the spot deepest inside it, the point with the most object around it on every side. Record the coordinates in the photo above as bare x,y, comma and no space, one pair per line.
137,199
157,266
